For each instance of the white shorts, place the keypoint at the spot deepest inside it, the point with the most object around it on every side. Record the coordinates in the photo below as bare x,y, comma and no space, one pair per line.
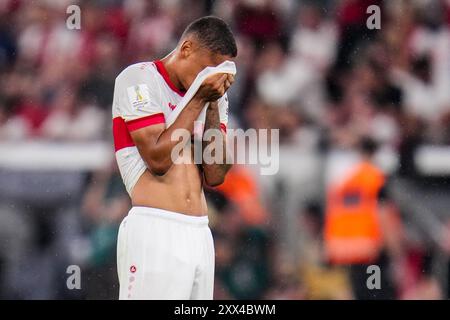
165,255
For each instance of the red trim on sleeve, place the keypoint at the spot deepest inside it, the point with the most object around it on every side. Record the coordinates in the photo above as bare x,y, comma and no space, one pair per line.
223,127
145,121
122,138
163,71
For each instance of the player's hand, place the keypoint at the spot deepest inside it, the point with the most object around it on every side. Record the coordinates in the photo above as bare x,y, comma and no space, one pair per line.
228,81
213,87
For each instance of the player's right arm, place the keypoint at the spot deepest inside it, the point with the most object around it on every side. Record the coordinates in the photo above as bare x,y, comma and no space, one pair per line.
155,142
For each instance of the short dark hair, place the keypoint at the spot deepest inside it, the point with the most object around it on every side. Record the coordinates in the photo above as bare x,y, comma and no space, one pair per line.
367,146
214,34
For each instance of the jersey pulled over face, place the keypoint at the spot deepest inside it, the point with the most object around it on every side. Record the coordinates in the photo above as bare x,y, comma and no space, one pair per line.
144,96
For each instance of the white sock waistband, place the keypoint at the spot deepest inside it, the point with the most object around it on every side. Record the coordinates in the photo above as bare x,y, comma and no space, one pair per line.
170,215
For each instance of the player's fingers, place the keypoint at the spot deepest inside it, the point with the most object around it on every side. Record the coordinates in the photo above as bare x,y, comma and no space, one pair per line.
227,85
220,83
230,78
214,79
222,78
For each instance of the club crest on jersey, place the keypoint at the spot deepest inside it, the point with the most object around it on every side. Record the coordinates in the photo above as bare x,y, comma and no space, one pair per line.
172,106
138,95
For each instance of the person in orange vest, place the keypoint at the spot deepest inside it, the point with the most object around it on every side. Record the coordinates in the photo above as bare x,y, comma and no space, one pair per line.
241,187
354,225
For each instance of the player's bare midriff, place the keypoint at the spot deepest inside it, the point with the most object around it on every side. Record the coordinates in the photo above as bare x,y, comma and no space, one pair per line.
179,190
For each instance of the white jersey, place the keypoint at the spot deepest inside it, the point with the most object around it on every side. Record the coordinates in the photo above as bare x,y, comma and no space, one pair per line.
144,96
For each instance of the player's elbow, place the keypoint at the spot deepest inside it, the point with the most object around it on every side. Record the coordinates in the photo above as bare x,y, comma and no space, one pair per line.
215,176
158,168
215,182
158,171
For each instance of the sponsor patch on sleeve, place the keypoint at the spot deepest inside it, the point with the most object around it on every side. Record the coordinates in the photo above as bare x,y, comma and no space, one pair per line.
138,95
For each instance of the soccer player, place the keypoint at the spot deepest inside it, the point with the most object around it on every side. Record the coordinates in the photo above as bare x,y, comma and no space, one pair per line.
165,247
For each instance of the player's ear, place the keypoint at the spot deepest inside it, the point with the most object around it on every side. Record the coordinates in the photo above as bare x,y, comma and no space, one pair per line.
186,48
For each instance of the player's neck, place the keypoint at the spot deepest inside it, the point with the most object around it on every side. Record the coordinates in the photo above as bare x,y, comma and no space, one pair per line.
168,63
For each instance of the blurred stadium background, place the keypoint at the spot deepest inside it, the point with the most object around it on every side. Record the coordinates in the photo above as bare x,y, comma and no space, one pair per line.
310,68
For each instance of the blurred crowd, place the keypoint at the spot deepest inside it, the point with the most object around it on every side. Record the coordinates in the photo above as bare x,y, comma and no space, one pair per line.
312,69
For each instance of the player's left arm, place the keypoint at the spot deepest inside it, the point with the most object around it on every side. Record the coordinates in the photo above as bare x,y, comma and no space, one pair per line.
216,168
